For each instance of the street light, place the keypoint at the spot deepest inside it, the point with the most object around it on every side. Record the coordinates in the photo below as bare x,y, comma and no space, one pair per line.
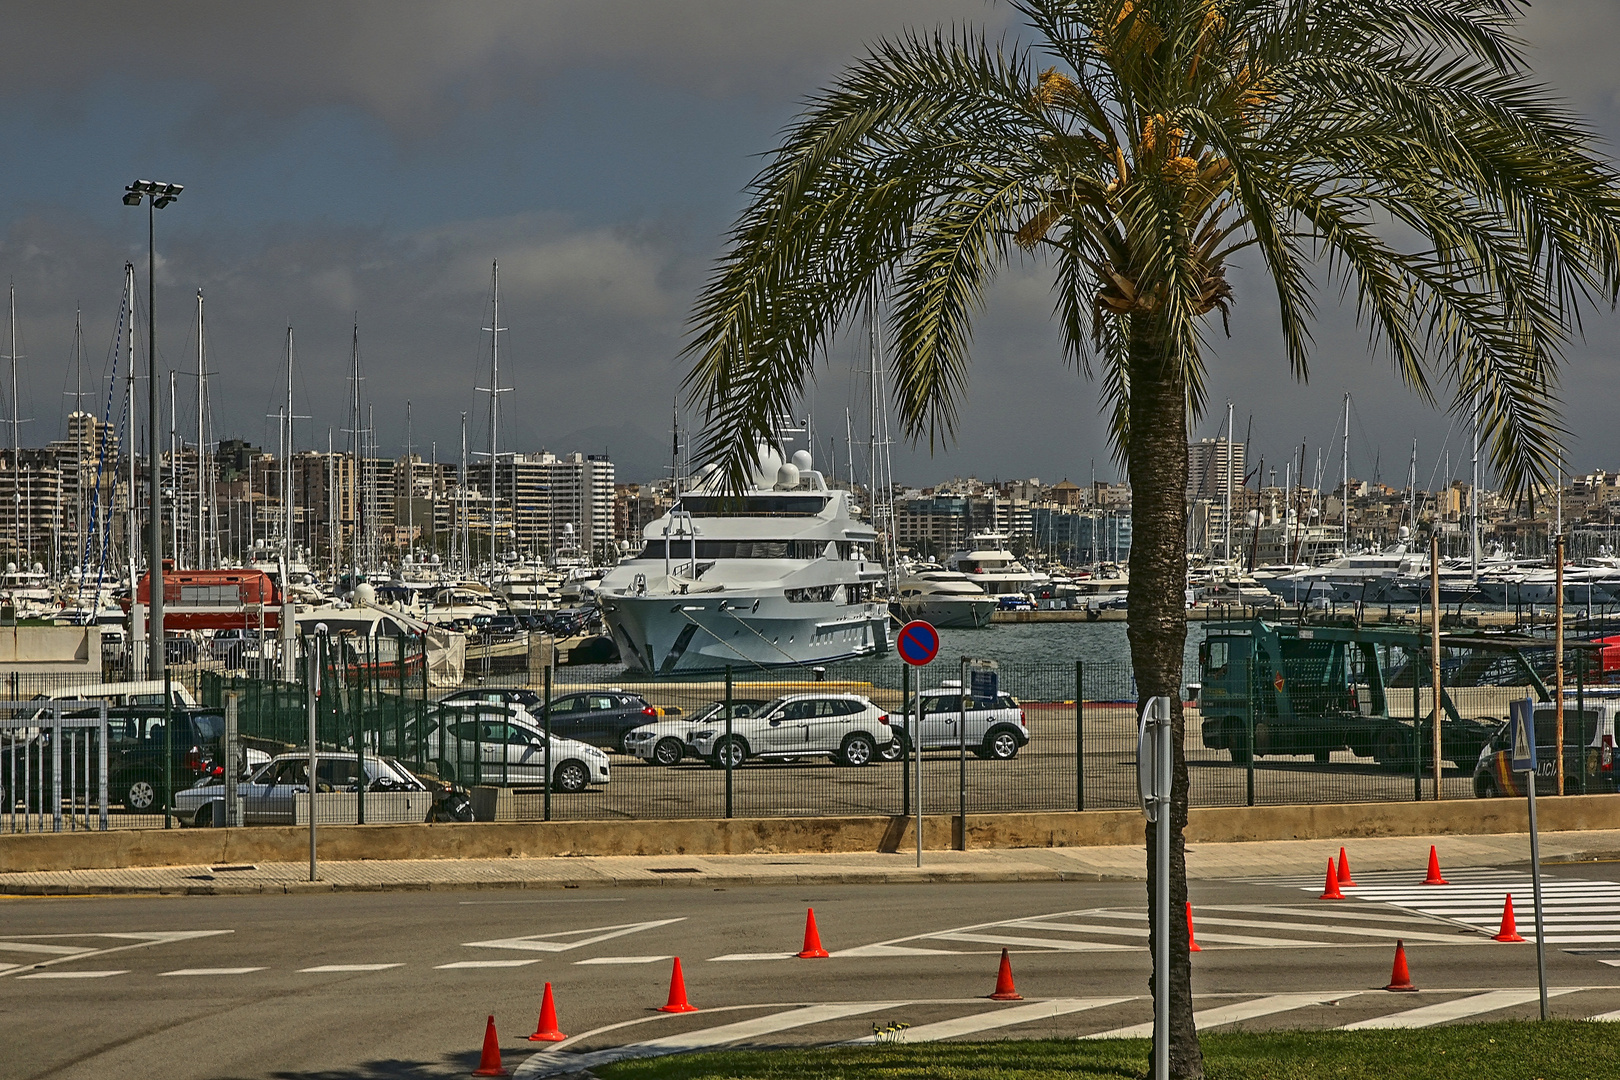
157,196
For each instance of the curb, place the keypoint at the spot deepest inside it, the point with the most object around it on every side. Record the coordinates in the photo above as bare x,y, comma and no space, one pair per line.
922,877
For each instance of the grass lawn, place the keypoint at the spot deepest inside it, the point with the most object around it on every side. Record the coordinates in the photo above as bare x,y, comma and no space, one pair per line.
1513,1050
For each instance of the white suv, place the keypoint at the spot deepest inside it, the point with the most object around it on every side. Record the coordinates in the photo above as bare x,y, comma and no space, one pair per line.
846,727
995,729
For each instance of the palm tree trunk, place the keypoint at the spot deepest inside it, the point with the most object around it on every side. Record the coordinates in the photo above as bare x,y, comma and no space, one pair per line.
1157,449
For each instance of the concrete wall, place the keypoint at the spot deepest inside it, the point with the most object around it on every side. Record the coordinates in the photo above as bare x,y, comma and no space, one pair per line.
1096,828
50,650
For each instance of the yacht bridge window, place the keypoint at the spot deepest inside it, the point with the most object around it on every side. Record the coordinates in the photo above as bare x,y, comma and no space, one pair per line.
680,547
752,505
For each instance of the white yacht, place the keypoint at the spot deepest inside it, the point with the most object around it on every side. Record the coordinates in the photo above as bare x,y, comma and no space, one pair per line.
783,573
525,587
1362,576
944,598
992,567
463,602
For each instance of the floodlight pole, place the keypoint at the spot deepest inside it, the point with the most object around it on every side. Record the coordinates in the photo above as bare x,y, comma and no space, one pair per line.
155,195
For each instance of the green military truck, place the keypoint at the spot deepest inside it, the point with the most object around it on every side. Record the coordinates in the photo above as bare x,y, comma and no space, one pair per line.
1300,689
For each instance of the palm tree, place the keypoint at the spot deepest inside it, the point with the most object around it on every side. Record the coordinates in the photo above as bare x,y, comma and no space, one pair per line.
1396,149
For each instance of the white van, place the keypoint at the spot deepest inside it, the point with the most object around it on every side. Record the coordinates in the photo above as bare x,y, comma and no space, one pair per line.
147,692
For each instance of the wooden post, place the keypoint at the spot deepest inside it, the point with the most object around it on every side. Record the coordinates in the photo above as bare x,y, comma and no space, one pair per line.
1558,661
1434,648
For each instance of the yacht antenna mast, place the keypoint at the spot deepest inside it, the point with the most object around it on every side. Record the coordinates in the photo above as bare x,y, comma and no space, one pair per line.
495,390
1473,505
1226,494
353,431
132,527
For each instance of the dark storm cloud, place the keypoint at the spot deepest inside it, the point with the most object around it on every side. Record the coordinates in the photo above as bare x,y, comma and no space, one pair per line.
377,156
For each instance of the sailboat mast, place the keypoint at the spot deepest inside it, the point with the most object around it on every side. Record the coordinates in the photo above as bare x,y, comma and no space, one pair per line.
466,533
494,330
410,485
1344,479
174,475
1226,495
131,528
286,467
354,436
202,445
1473,505
16,463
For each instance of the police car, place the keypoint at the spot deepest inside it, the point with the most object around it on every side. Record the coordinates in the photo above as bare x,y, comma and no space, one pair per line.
1589,753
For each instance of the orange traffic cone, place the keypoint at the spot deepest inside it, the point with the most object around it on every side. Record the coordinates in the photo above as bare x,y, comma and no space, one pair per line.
1344,869
677,992
1510,927
1192,943
1330,891
489,1062
1400,979
812,939
546,1029
1005,991
1434,877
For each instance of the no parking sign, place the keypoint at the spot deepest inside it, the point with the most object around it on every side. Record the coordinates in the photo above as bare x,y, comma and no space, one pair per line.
918,643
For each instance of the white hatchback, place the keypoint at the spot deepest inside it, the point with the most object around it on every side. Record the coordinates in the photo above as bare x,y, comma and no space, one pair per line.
846,727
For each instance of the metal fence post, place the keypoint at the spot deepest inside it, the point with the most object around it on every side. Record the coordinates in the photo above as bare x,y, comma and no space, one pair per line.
56,769
1417,723
961,758
1580,710
101,764
360,755
908,742
1249,726
168,751
1079,735
545,718
726,758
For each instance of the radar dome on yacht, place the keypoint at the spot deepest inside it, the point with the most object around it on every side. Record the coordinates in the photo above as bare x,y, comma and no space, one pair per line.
1404,532
39,568
364,593
769,461
803,460
787,476
11,568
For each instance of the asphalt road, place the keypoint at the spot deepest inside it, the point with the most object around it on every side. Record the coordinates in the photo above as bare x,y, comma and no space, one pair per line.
253,1009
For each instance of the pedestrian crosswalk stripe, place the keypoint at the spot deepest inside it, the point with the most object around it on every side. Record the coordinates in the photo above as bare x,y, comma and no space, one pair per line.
551,1063
1232,1014
1058,944
621,960
350,967
484,964
73,974
1457,1009
1337,928
1029,1013
756,956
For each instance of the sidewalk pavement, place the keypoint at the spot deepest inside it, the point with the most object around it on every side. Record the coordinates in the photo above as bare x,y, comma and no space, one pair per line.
1204,861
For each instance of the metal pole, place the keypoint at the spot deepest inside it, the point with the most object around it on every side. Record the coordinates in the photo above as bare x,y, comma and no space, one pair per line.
907,742
1580,712
154,472
1434,646
313,662
168,753
232,757
1558,658
360,738
1079,735
1417,724
961,759
727,758
1161,916
1535,882
546,719
915,723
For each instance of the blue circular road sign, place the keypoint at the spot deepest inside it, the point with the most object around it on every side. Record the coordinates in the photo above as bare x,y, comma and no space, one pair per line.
918,643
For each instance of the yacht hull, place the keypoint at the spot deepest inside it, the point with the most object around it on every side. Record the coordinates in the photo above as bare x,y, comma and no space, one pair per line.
665,634
946,612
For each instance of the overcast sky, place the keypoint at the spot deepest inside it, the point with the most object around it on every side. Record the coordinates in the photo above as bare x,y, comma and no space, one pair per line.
374,159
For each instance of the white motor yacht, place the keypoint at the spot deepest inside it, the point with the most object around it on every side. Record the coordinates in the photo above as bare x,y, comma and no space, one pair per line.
782,574
525,587
992,567
944,598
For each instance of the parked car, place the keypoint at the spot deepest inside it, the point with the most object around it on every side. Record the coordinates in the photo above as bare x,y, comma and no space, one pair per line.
600,717
846,727
995,730
505,745
268,795
1589,752
664,742
1014,602
495,695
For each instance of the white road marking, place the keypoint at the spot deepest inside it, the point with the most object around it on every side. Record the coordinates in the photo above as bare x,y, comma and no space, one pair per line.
986,1021
350,967
549,942
1141,932
1608,1016
485,964
1057,944
1474,1005
893,950
1232,1014
548,1063
622,960
209,971
74,974
36,947
141,941
756,956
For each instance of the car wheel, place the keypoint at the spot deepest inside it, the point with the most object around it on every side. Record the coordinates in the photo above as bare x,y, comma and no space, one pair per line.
895,749
140,796
1390,749
205,817
1237,743
1485,787
446,771
730,750
571,777
858,749
668,751
1001,745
